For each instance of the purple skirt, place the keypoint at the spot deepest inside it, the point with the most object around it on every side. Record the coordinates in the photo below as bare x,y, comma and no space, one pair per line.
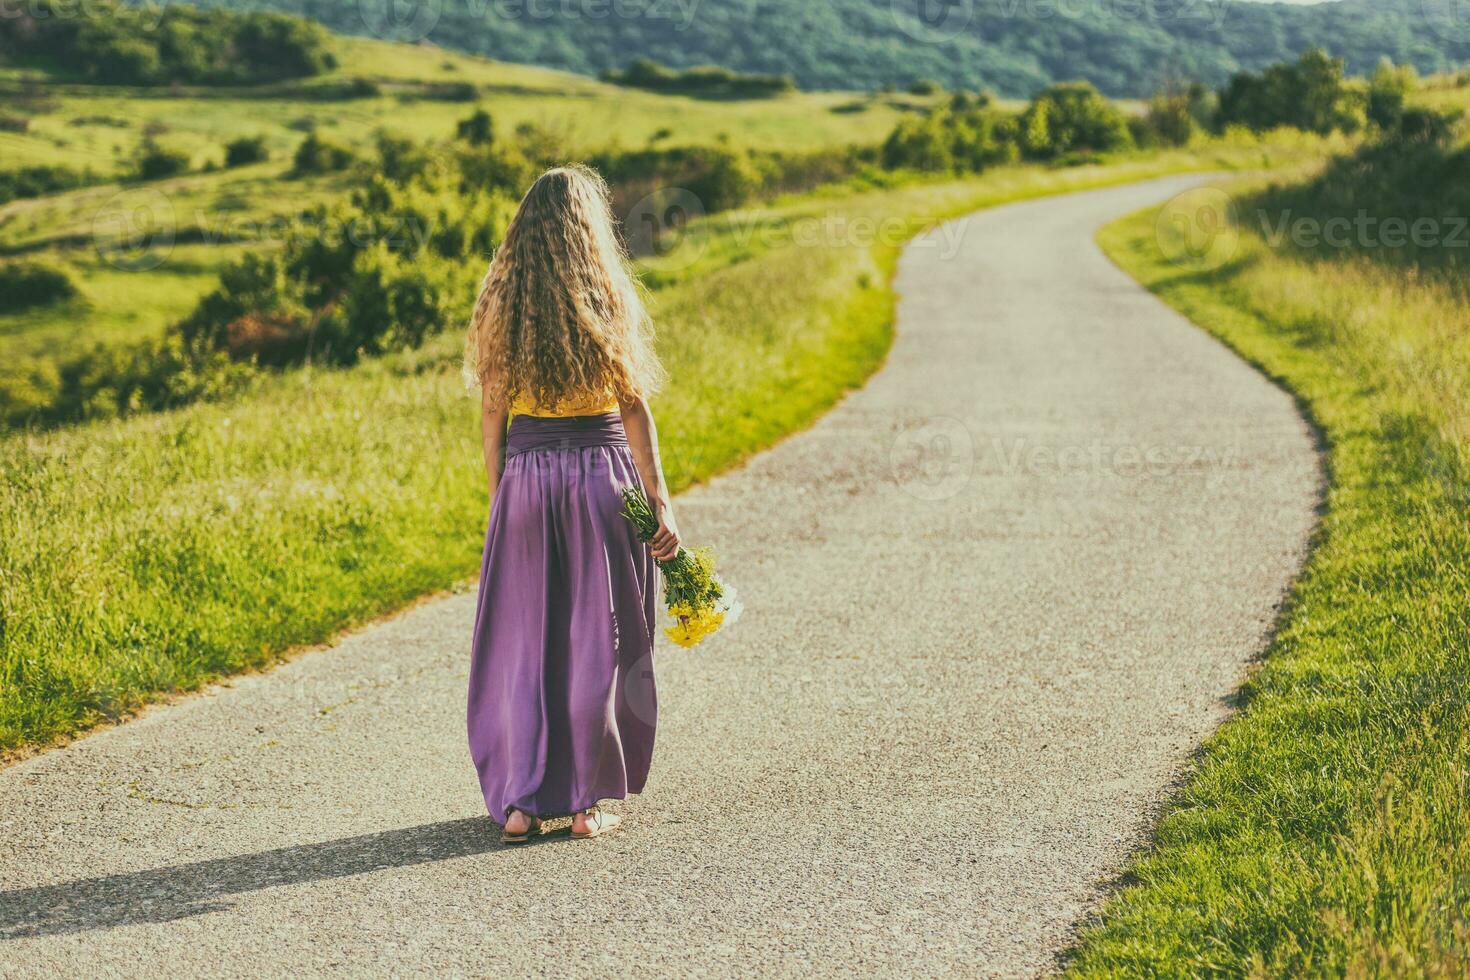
561,704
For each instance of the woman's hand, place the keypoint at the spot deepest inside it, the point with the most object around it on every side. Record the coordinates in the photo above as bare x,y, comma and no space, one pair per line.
665,541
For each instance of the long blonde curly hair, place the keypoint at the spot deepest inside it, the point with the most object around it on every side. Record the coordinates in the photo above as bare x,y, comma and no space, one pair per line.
559,316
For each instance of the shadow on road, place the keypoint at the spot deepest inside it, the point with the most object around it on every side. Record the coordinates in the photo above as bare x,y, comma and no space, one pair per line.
166,894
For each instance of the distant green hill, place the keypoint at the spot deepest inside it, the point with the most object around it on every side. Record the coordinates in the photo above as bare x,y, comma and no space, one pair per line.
1013,47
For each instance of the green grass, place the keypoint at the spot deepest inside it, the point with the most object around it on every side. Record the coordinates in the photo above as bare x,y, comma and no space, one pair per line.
203,221
158,553
1325,830
102,126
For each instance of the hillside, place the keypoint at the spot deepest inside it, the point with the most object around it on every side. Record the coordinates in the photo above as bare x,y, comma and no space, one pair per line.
212,215
1012,47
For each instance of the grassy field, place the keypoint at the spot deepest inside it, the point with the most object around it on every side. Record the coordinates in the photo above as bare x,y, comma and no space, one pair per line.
157,553
133,281
101,127
1325,830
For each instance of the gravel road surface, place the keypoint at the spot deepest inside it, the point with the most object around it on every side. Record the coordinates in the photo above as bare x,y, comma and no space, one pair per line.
994,601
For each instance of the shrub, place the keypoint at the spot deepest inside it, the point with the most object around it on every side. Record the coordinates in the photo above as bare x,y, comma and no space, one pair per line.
318,156
1388,90
14,124
701,81
1423,125
39,182
925,86
1073,117
28,390
1173,115
412,253
477,129
1309,94
1419,170
400,159
27,284
107,381
725,179
499,167
787,172
449,92
719,176
392,301
246,150
362,88
964,101
156,162
919,144
965,140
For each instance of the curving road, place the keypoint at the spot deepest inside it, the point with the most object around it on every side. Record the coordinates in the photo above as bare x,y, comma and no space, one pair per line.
994,601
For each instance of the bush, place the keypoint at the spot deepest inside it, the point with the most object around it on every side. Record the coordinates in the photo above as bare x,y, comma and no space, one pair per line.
964,101
412,254
1071,118
362,88
108,381
318,156
925,86
14,124
39,182
498,167
719,176
1388,90
392,301
788,172
28,390
963,140
1424,125
477,129
246,150
400,159
726,179
449,92
25,285
1418,171
701,81
1173,115
156,162
1309,94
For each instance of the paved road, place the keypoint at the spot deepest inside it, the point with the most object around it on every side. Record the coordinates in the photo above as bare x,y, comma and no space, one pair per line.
994,601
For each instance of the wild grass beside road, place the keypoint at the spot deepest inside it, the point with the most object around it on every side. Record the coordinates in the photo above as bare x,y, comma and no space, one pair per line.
1325,831
163,551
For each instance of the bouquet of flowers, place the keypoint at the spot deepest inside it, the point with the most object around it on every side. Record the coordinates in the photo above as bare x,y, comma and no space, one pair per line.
697,600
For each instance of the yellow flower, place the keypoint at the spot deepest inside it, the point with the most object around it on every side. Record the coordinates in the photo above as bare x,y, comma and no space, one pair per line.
691,626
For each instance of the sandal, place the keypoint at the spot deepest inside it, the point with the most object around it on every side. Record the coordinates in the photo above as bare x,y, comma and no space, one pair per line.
533,827
598,823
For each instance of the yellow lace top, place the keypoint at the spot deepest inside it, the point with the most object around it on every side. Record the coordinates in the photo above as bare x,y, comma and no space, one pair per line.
524,405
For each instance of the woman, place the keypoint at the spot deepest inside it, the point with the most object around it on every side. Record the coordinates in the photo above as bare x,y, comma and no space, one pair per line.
561,700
